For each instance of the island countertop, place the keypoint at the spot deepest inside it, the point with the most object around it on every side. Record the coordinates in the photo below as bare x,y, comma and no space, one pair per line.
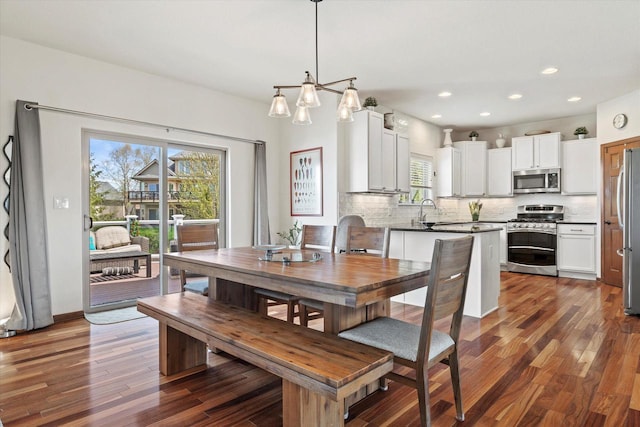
456,227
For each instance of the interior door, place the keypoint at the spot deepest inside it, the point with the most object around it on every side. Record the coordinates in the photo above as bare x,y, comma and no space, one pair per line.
612,160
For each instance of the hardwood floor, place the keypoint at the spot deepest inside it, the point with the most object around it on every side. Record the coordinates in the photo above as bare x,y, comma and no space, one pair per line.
559,352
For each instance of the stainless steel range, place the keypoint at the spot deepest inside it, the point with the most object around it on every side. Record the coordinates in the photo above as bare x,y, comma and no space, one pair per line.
531,239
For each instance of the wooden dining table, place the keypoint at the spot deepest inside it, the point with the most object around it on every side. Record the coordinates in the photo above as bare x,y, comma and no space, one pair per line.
354,288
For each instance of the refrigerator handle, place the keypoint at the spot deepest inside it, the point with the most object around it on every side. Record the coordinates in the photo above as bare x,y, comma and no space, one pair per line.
619,198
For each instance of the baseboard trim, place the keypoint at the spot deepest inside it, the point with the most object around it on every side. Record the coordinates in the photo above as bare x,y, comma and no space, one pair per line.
59,318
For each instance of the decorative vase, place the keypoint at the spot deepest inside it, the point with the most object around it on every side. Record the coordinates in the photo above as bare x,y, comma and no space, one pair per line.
473,138
389,121
475,216
500,141
447,137
371,107
581,136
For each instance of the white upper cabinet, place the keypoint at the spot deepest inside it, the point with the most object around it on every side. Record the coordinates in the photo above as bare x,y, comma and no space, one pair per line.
580,166
473,167
448,160
536,152
499,176
378,157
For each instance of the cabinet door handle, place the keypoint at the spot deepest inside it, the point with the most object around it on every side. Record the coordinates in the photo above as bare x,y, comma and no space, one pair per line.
577,229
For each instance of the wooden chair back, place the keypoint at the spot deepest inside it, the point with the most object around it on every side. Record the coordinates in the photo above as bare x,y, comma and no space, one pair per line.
368,240
446,291
193,237
319,237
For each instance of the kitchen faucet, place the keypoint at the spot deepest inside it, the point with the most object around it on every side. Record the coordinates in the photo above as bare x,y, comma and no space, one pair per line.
420,218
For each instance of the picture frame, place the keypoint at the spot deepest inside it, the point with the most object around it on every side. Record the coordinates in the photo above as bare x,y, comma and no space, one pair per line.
305,191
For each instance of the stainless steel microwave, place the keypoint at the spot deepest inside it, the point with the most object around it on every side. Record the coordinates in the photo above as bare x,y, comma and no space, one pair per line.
536,181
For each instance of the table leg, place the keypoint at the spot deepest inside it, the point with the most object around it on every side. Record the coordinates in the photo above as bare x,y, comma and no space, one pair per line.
302,407
179,352
148,265
136,265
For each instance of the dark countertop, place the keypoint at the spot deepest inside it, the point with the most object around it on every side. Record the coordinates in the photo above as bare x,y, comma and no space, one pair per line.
458,227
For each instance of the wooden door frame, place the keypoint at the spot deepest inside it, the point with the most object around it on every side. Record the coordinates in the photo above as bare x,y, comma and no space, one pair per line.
603,147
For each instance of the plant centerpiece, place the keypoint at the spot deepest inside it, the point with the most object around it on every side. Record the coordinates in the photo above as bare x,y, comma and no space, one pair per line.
370,103
474,208
473,135
581,132
293,235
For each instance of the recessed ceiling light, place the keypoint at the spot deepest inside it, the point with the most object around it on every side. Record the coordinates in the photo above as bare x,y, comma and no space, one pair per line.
485,114
444,94
515,96
574,99
436,116
549,70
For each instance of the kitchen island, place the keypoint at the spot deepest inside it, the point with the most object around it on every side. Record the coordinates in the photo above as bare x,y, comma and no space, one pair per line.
415,242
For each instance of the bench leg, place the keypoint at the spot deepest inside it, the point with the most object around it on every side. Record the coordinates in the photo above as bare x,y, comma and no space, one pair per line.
148,261
179,352
302,407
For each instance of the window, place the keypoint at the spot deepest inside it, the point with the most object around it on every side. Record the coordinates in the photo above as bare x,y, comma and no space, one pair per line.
421,173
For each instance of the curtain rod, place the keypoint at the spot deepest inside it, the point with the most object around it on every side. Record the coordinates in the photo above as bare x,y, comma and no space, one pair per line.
139,122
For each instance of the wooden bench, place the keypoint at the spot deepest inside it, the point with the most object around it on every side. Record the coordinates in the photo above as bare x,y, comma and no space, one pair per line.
318,370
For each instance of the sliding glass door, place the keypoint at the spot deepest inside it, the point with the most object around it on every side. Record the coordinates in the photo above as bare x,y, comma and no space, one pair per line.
137,189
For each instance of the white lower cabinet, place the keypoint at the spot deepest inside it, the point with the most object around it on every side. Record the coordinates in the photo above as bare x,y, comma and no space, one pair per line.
577,251
483,288
503,242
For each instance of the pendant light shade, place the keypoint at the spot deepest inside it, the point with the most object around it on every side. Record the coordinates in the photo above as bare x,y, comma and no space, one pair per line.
308,95
302,117
344,114
350,98
279,107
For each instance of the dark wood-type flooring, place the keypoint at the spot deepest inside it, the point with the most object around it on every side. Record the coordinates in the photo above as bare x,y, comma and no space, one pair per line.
558,352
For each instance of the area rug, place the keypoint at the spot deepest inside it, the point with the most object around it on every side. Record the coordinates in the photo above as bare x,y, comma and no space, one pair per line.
114,316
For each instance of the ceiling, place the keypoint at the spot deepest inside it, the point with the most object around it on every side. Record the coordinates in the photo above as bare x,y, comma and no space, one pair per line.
403,52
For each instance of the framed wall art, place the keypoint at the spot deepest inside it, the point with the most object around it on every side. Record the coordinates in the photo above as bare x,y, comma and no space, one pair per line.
306,182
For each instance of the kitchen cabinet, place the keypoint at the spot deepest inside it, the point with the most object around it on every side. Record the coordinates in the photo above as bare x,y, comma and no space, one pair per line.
378,158
473,167
577,251
580,166
499,174
503,242
448,170
536,152
483,288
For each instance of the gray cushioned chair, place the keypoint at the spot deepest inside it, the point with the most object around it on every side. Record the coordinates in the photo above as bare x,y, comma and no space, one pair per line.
420,346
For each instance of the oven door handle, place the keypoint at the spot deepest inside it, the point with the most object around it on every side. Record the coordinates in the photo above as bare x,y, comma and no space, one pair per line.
533,247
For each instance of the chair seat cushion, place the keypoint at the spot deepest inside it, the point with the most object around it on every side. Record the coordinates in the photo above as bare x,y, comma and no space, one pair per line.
276,296
399,337
315,304
199,287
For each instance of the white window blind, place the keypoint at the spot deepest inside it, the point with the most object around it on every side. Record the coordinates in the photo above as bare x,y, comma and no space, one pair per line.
421,171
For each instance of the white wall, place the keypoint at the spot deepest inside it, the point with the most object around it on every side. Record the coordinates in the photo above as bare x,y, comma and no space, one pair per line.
628,104
565,125
50,77
321,133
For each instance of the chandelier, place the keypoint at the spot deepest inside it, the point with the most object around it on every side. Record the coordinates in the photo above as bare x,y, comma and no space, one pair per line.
308,97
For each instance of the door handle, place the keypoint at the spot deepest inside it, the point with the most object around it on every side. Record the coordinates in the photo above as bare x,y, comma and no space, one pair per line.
618,197
608,222
88,219
620,252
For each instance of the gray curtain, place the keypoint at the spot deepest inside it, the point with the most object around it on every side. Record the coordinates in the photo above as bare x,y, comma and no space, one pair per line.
261,233
28,226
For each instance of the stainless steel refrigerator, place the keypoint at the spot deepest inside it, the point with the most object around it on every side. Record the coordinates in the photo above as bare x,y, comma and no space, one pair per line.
629,220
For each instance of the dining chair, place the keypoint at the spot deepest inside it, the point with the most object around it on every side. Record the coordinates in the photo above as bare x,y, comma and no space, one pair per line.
421,346
317,237
372,241
343,228
193,237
